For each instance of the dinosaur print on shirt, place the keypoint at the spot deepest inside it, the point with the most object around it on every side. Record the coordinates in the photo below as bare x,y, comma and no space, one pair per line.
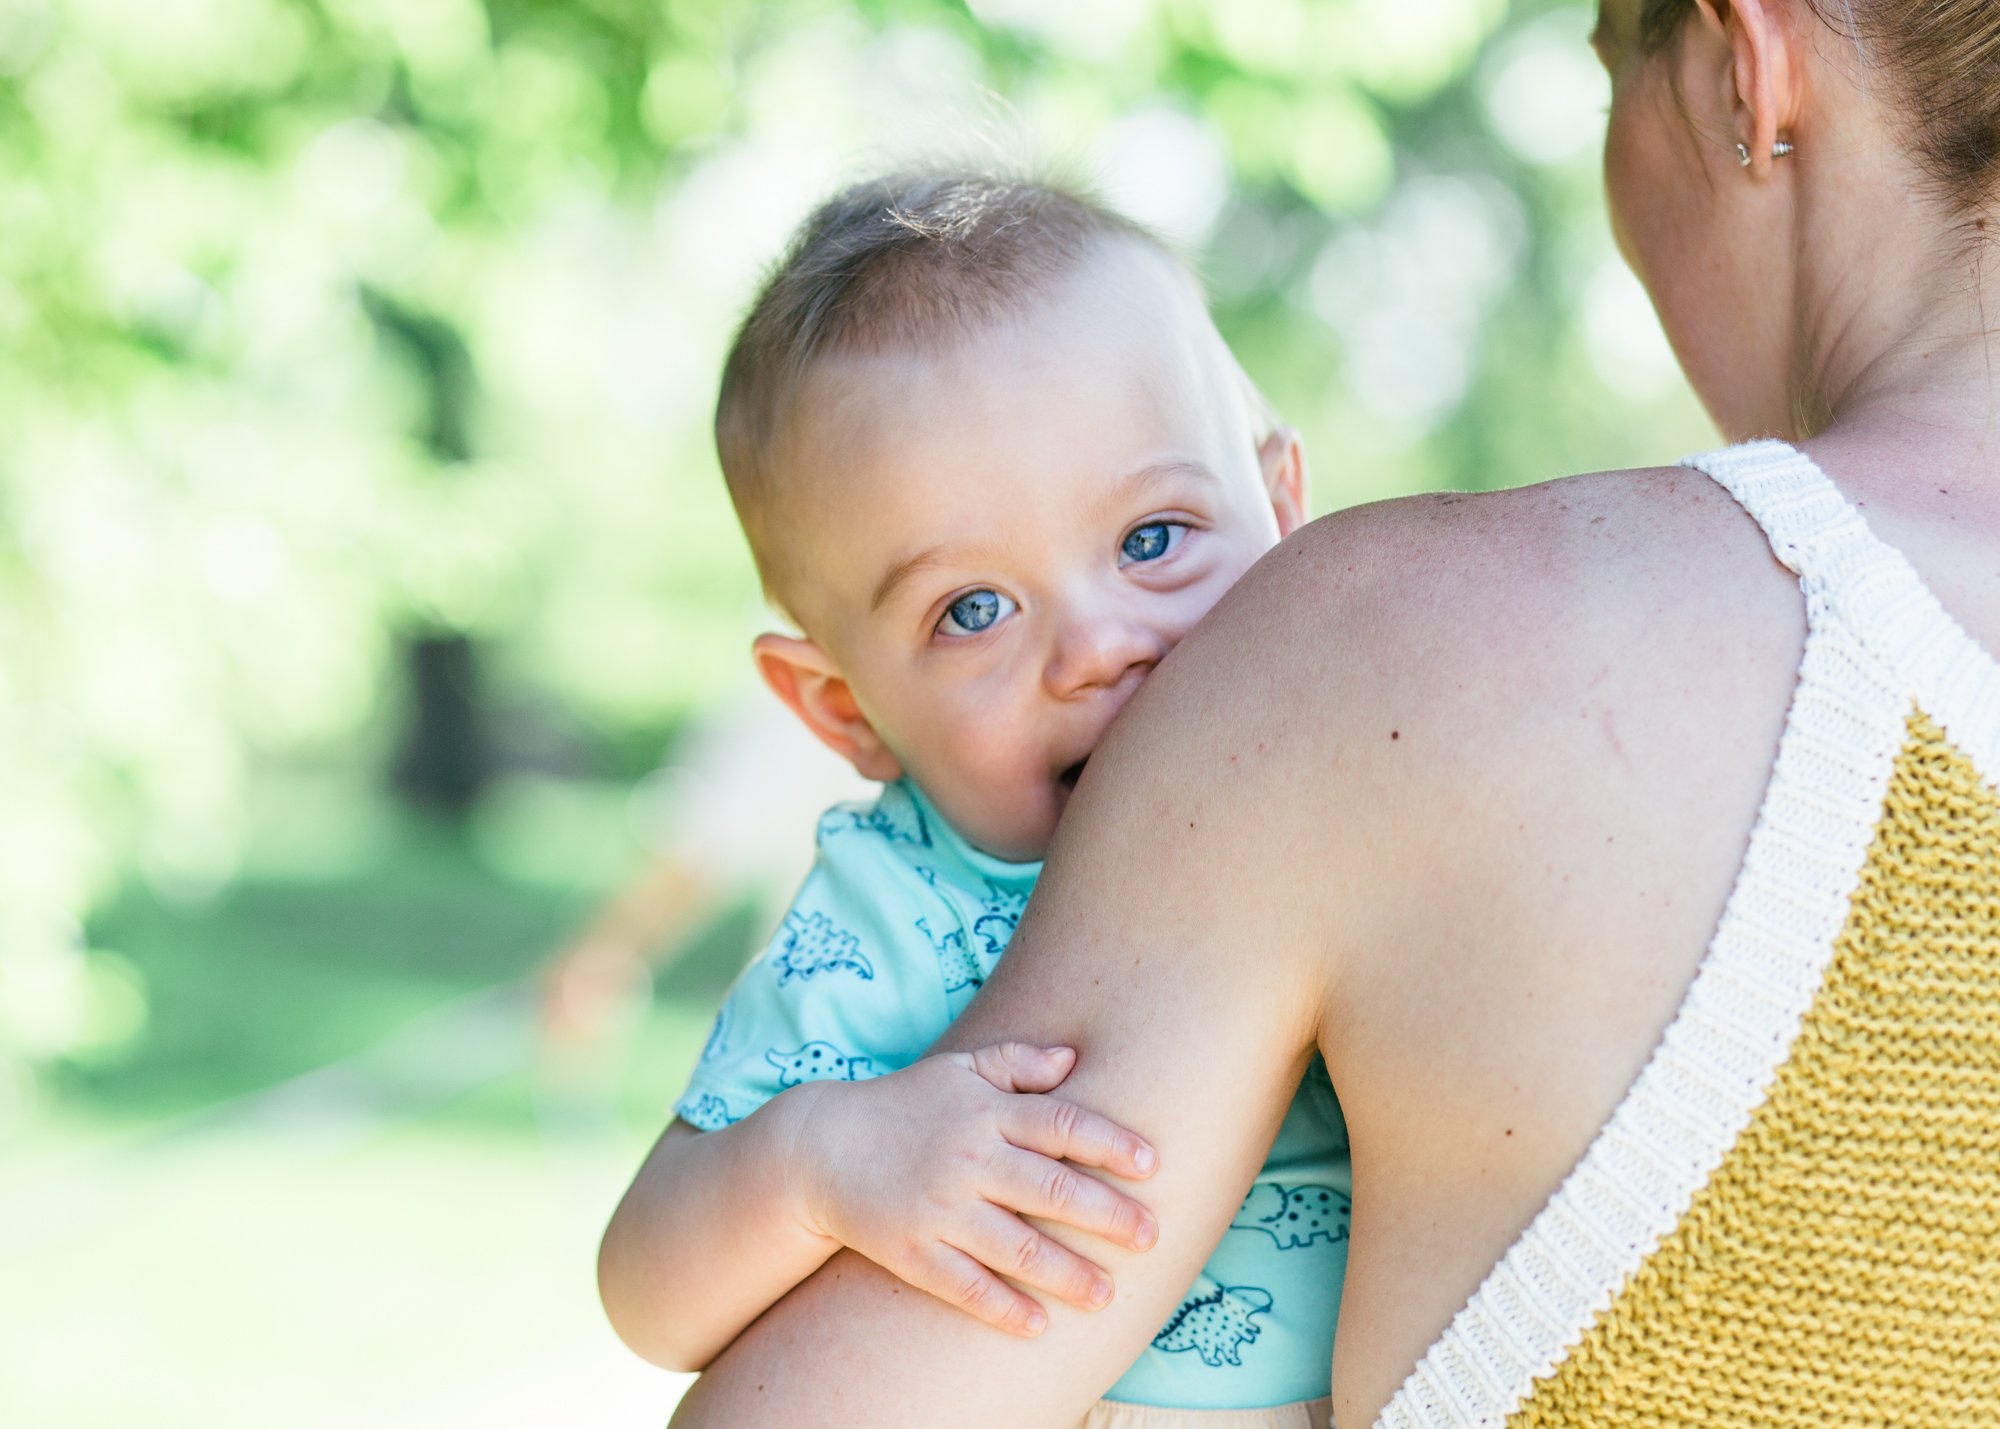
1295,1216
710,1113
956,961
992,928
999,915
818,1062
813,945
895,816
1215,1325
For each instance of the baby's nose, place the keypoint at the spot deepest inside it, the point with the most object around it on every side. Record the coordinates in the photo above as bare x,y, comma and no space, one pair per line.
1102,653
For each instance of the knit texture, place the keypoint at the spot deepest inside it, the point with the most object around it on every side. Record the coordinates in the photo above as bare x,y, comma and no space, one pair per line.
1583,1303
1842,1267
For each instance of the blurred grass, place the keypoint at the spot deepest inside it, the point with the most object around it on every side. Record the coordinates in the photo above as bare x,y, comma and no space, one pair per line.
277,978
339,1181
241,1274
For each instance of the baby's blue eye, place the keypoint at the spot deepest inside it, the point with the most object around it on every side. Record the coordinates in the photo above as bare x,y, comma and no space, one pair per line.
976,611
1151,542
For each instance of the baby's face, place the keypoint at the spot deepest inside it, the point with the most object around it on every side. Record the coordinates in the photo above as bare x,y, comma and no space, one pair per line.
1002,543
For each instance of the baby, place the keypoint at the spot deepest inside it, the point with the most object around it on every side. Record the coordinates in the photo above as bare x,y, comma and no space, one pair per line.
994,461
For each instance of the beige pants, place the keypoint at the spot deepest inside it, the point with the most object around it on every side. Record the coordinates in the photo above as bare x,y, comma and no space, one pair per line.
1306,1414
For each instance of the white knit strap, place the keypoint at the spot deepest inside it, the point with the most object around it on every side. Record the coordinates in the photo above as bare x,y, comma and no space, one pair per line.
1849,573
1804,516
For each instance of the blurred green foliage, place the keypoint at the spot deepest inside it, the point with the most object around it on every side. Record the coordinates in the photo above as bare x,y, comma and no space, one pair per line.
330,327
329,324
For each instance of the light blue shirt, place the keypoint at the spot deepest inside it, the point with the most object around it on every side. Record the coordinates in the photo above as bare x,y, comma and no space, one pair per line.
894,930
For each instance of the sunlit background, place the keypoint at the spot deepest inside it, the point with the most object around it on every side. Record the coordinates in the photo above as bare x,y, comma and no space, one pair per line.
371,609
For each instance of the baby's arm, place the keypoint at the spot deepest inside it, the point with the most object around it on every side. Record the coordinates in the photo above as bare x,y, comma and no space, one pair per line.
926,1171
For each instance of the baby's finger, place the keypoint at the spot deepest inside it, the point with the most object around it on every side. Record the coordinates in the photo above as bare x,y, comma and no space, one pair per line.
1032,1185
1067,1132
1018,1067
961,1280
1018,1251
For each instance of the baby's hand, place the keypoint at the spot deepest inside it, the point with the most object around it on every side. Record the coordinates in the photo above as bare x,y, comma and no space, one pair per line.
928,1171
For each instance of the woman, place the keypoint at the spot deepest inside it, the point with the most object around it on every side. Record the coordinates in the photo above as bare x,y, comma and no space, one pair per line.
1463,791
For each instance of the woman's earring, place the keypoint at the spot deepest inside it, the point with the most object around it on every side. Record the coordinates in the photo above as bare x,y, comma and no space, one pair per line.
1778,151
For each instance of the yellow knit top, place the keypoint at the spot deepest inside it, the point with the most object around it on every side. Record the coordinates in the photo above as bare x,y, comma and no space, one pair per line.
1794,1215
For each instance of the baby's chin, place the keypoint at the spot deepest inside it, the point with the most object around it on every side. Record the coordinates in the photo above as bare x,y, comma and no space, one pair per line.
1020,835
1018,829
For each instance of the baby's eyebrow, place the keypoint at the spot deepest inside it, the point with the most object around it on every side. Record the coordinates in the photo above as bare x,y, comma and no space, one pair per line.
901,572
1161,472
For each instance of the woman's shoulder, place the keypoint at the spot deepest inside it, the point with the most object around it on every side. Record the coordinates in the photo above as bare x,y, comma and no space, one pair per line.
1614,627
1525,535
1529,646
1471,577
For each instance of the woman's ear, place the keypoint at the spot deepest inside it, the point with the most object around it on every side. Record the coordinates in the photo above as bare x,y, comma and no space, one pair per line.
1283,459
1762,89
812,687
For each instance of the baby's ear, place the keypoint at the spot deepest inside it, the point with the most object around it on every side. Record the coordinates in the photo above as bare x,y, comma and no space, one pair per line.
812,687
1283,459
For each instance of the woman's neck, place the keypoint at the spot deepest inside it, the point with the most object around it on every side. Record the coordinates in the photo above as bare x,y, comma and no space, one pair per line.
1928,406
1913,434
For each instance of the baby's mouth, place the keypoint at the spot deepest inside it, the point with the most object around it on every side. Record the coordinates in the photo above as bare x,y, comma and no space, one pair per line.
1070,775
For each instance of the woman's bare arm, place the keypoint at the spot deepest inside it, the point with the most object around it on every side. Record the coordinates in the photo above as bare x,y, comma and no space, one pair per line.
1180,844
1456,787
